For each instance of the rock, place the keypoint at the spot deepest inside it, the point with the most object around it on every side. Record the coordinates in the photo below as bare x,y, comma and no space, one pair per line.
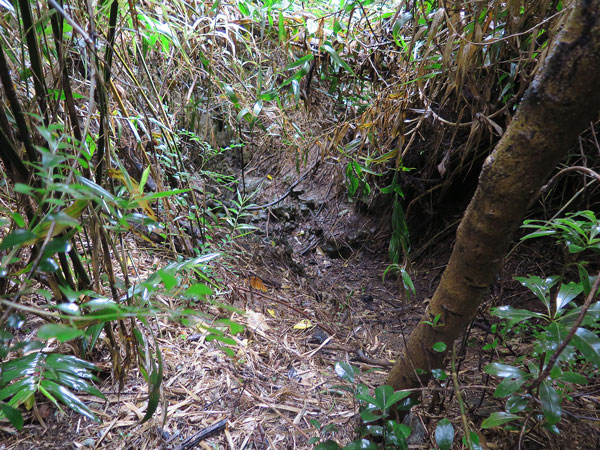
417,437
318,336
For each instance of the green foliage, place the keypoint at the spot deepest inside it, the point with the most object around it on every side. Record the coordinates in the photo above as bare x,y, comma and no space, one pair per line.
566,345
378,429
54,375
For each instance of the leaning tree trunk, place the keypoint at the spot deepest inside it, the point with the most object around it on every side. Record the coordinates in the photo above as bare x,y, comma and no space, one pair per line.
558,105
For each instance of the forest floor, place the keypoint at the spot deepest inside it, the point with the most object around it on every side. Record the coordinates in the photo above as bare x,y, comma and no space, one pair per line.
310,281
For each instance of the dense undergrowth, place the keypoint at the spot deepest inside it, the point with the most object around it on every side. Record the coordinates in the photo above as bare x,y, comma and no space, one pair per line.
130,124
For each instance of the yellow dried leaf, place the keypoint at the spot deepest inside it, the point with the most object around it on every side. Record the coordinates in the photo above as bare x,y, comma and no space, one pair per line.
303,324
271,312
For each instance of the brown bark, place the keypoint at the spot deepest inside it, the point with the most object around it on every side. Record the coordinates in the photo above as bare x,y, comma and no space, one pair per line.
558,105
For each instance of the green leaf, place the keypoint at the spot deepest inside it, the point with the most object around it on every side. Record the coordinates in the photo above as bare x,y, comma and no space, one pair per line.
573,377
498,418
504,371
24,387
540,287
154,383
362,444
368,415
61,332
234,327
144,179
386,396
299,62
165,194
345,371
508,386
68,398
48,265
588,344
328,445
336,58
198,290
396,434
439,374
281,28
230,93
516,403
513,315
365,397
58,245
567,293
224,339
439,347
444,434
550,403
12,414
16,239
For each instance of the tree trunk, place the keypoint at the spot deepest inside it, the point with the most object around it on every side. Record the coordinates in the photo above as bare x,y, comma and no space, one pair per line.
559,104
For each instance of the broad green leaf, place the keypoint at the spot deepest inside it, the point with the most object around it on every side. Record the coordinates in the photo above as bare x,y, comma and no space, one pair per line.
592,315
328,445
68,398
513,315
567,293
168,279
73,382
68,308
396,434
516,403
588,344
444,434
48,265
58,245
498,418
24,387
362,444
550,402
61,332
345,371
315,423
439,347
16,239
439,374
19,367
584,278
71,364
504,371
198,290
12,414
386,397
374,430
368,415
540,287
573,377
365,397
508,386
234,327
